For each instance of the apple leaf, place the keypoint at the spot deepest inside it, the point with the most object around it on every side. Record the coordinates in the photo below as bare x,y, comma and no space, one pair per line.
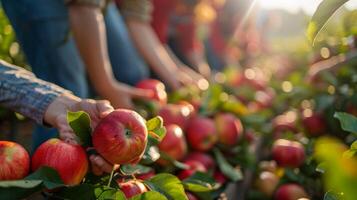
348,122
199,182
168,185
80,124
79,192
45,177
149,196
134,169
332,196
324,11
107,193
177,164
155,128
151,153
229,171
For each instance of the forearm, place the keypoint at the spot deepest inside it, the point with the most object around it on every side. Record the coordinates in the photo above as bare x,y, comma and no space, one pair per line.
88,29
22,92
153,51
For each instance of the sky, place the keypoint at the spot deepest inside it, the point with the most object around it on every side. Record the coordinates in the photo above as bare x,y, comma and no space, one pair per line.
309,6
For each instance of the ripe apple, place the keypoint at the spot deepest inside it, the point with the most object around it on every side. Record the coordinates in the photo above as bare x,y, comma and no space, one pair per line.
315,124
146,176
190,196
121,137
229,128
267,182
201,133
157,87
132,187
290,192
175,114
288,153
203,158
283,123
193,166
15,161
70,161
173,144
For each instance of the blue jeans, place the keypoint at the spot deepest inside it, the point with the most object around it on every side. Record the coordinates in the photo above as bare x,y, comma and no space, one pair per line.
42,29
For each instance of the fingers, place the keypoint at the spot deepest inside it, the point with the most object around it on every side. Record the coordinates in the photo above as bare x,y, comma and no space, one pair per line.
140,93
104,108
100,163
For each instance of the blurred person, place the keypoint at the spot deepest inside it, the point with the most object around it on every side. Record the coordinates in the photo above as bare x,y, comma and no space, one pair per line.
47,103
148,23
67,40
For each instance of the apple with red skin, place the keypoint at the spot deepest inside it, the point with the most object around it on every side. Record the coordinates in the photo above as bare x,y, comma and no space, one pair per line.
173,144
15,161
157,87
229,128
288,153
282,124
201,133
290,191
132,187
176,114
121,137
315,124
146,176
267,183
190,196
70,161
193,167
203,158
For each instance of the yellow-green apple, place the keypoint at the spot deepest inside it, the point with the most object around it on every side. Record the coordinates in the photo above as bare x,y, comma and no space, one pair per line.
288,153
203,158
132,187
201,133
315,124
157,87
173,144
229,128
193,167
15,161
70,161
267,183
290,191
121,137
176,114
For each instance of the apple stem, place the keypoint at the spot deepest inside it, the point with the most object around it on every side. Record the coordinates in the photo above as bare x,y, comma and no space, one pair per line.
111,175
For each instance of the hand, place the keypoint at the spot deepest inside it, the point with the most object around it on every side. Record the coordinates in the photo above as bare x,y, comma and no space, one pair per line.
190,77
56,115
121,95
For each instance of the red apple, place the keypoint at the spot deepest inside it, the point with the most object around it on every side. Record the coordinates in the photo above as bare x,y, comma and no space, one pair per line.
175,114
229,128
157,87
219,177
146,176
132,187
288,153
315,124
193,166
173,144
15,161
284,123
203,158
290,192
201,133
69,160
267,183
190,196
121,137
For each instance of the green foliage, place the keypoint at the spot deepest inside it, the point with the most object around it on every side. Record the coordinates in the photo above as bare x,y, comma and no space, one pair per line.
230,172
348,122
168,185
80,124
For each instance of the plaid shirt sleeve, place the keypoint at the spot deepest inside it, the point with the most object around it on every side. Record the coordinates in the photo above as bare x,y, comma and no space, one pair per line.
22,92
138,9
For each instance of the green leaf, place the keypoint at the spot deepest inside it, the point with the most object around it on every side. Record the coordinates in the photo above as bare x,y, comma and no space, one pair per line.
348,122
324,11
149,196
321,167
332,196
19,189
134,169
79,192
156,128
229,171
107,193
168,185
80,123
48,176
